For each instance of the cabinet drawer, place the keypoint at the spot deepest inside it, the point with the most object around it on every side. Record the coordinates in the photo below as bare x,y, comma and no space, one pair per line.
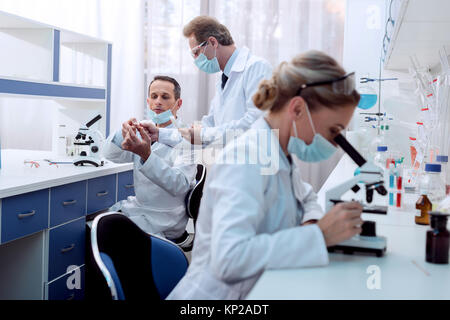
24,214
67,203
101,193
125,186
69,287
66,247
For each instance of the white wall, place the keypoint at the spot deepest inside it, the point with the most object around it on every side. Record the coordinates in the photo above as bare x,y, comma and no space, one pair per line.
364,31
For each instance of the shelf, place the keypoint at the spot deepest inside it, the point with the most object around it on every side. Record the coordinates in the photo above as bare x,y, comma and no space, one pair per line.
11,21
40,52
420,28
40,61
27,53
83,63
50,90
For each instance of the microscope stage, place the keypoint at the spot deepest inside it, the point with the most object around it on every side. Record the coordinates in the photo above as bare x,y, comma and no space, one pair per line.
362,244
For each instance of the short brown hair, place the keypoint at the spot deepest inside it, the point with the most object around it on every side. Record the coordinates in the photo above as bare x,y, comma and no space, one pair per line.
203,27
176,85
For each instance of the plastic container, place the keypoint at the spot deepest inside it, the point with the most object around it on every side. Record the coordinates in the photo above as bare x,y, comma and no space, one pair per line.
376,141
431,190
381,156
443,160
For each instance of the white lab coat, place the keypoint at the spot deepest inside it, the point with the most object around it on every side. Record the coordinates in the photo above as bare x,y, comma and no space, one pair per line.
232,107
160,184
249,223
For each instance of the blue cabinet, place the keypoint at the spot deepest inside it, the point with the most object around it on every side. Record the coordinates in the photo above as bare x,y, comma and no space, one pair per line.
67,203
125,185
66,247
68,287
24,214
101,193
61,213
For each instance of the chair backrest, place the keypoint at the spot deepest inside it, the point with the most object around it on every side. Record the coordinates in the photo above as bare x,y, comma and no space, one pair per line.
194,196
169,264
135,265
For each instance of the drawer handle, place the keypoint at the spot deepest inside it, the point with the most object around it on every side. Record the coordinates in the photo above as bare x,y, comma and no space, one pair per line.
26,215
67,249
129,186
71,296
68,203
102,194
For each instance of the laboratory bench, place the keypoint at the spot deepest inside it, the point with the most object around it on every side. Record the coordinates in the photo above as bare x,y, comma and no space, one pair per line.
43,222
402,273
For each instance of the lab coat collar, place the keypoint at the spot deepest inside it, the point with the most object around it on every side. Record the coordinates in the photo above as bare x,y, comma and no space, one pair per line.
241,60
284,163
230,62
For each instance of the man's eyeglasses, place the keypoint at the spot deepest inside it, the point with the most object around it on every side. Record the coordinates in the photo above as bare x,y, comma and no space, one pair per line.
343,85
196,50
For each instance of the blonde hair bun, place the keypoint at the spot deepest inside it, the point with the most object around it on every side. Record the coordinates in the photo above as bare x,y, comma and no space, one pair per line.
266,95
309,67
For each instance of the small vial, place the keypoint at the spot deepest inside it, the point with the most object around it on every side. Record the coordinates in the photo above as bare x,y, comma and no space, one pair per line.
391,199
437,246
398,203
399,183
391,180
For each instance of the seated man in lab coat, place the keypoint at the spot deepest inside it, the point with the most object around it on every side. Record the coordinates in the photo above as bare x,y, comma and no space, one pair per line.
161,177
213,50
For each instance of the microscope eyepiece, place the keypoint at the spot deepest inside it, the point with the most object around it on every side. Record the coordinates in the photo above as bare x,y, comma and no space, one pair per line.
381,190
348,148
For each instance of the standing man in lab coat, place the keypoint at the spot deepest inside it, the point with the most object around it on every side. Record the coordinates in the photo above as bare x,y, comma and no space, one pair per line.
161,177
232,108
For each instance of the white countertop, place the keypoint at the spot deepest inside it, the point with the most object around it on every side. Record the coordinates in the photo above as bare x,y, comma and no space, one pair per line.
17,177
404,273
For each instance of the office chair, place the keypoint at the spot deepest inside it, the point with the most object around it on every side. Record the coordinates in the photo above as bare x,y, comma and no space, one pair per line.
192,202
195,195
134,264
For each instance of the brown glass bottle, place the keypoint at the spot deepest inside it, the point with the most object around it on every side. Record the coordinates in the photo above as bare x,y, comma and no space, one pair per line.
437,247
424,205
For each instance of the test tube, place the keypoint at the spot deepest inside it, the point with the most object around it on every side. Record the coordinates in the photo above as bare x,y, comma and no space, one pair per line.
391,184
398,203
399,186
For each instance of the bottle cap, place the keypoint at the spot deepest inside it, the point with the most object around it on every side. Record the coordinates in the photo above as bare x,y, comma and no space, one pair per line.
438,219
442,158
382,148
433,167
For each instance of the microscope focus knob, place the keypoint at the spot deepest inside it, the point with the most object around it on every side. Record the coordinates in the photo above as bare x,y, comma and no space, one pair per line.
368,229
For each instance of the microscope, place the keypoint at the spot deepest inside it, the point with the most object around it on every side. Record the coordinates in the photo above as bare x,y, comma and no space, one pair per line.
371,176
92,139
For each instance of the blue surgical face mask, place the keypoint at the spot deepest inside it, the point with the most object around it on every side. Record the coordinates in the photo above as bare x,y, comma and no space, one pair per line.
319,150
208,66
160,118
